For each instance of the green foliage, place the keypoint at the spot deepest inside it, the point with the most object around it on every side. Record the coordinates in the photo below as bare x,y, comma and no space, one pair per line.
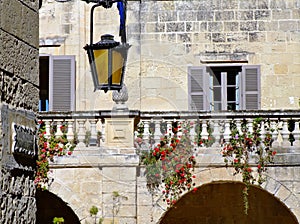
244,145
170,164
48,148
93,210
87,138
58,220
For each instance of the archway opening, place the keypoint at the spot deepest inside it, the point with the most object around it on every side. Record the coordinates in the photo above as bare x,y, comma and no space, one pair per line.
222,203
50,205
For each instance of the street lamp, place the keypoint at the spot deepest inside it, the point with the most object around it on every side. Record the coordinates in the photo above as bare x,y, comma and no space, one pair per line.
108,57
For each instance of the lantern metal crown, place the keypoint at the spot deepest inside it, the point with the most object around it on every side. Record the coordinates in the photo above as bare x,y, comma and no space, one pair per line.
108,57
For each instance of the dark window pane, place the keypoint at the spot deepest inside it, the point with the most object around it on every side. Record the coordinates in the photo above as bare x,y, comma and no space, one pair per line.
217,79
231,94
217,106
231,78
231,106
217,93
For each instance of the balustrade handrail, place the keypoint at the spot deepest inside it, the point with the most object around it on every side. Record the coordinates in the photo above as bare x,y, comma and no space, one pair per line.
87,124
170,114
221,114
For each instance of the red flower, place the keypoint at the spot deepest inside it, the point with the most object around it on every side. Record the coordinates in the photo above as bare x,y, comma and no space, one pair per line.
258,166
274,153
69,153
195,189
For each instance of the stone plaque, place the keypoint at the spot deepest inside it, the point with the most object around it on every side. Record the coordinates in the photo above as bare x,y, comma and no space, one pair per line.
19,137
23,140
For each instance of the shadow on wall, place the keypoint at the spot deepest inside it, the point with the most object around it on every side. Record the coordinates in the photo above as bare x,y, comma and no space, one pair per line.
49,206
222,203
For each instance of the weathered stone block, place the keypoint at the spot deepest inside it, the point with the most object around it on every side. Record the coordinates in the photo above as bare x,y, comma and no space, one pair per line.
224,15
245,15
248,26
215,27
288,25
166,16
175,27
205,15
262,14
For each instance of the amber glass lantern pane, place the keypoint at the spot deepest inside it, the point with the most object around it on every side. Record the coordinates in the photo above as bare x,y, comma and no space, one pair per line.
117,66
101,63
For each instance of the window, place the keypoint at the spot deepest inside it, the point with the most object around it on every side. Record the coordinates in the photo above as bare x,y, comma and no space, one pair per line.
57,83
216,88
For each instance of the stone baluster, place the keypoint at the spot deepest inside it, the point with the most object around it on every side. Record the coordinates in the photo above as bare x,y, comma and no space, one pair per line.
250,126
285,133
180,124
146,133
296,134
93,139
47,128
216,133
204,132
262,132
274,130
81,130
70,133
58,128
169,128
157,132
227,131
238,123
102,128
193,132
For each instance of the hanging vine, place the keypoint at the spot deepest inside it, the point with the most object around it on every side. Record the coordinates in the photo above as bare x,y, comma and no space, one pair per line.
170,164
249,153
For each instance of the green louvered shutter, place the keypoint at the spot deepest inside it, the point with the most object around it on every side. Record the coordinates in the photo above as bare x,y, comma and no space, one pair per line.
198,84
62,83
251,87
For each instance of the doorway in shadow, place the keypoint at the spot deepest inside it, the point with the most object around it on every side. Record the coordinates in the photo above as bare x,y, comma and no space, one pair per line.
50,205
222,203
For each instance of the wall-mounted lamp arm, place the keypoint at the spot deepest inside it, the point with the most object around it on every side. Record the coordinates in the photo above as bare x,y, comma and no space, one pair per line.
105,3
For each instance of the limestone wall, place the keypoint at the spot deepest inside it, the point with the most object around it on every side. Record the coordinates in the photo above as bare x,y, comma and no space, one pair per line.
168,36
19,97
92,175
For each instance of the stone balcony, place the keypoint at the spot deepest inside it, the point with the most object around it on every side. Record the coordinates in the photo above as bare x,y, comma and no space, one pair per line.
108,137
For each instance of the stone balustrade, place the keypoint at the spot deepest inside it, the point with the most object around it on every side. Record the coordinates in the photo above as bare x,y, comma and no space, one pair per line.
212,129
209,129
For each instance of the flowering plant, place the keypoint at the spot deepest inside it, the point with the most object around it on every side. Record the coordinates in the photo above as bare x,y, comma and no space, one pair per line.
170,164
48,148
243,146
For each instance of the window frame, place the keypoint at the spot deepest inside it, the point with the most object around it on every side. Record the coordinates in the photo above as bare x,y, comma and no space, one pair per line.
241,87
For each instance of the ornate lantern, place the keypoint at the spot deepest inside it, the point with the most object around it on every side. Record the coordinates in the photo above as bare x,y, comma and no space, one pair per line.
108,57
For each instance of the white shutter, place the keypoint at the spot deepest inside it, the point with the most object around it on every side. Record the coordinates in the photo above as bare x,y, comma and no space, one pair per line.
251,87
62,83
198,88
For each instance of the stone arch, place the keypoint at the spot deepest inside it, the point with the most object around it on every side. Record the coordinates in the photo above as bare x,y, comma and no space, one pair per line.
222,202
271,185
50,205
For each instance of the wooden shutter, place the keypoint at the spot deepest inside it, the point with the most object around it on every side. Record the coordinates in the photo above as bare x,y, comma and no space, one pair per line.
62,83
251,87
198,88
